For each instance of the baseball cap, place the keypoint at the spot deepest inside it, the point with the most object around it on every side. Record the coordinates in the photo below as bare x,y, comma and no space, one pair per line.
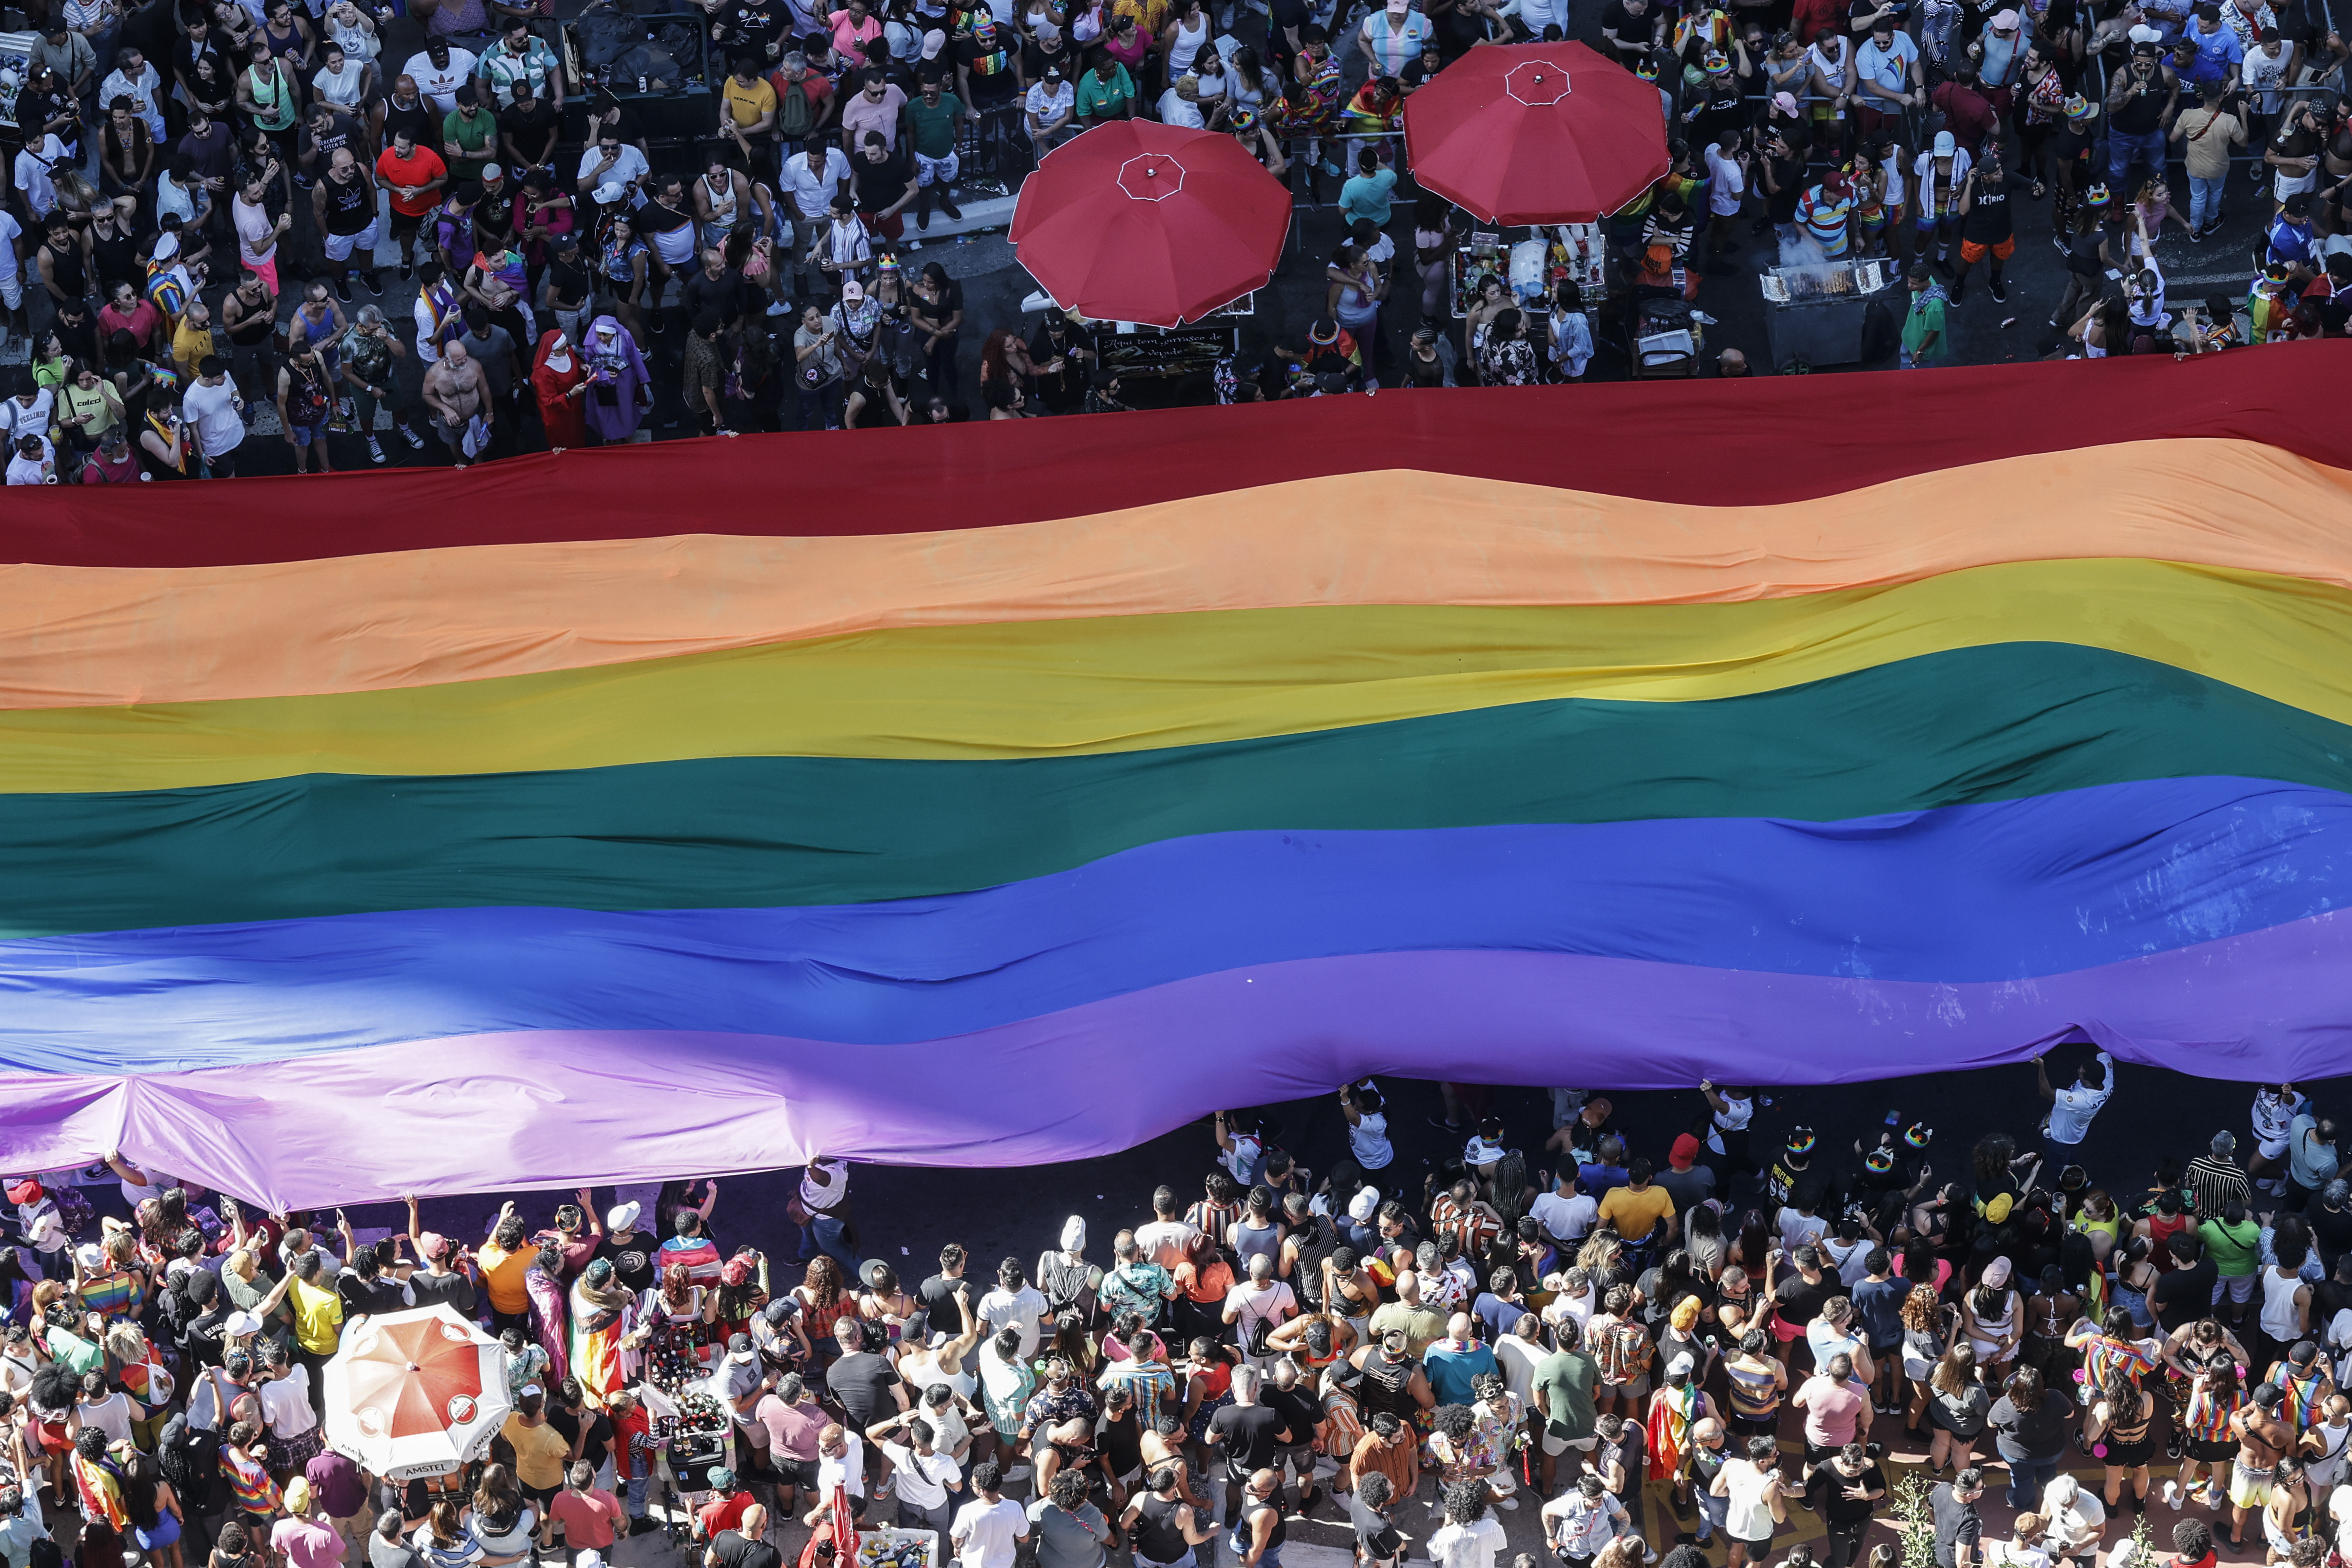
853,290
611,191
240,1324
623,1217
1786,102
722,1476
1364,1204
1996,1273
432,1245
297,1495
1946,145
2141,33
2003,21
1684,1152
493,172
933,42
739,1348
1682,1364
27,1191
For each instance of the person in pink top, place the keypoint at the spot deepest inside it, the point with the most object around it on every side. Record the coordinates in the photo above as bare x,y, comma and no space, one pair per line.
853,30
793,1418
875,106
306,1537
1837,1410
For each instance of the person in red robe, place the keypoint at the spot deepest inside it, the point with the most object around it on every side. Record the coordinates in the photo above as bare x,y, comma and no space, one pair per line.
560,381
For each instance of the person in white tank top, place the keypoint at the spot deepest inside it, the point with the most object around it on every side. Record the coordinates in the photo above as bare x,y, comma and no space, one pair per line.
2286,1305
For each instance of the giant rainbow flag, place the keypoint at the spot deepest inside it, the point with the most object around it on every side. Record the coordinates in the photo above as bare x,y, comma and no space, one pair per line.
1016,792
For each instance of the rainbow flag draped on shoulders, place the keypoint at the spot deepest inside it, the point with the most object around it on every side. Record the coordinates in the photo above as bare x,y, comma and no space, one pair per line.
1003,794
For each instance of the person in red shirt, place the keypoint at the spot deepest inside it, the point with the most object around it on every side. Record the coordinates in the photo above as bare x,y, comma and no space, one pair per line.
127,312
413,174
591,1518
1967,113
2193,1544
633,1441
724,1511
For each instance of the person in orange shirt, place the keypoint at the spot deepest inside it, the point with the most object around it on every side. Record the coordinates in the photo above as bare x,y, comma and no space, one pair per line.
505,1259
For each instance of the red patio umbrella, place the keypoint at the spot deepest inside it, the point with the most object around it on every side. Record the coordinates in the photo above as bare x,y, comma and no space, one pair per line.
1536,133
1136,221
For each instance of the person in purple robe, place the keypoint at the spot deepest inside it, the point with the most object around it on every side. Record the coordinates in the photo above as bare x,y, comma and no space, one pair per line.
544,1282
619,392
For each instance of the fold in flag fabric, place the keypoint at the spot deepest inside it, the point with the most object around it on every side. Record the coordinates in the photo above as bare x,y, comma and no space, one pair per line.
1020,792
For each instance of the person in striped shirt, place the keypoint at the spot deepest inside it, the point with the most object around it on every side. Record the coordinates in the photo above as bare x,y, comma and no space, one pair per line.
1824,212
243,1465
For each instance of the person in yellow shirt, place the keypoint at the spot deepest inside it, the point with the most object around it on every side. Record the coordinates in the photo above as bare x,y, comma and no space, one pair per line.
748,115
191,340
505,1259
317,1318
542,1454
1642,1210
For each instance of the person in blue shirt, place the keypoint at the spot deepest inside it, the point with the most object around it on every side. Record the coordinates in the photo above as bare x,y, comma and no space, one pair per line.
1453,1363
2289,240
1367,194
2195,67
2215,41
1607,1169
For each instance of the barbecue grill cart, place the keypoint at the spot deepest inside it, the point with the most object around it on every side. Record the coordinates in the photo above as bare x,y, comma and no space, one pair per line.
1815,314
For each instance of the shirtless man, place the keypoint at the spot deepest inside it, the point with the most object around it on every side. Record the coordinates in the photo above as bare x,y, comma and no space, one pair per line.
455,390
1163,1445
2263,1440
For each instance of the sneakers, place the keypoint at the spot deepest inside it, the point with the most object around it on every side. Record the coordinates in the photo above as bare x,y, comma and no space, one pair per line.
376,451
946,206
1508,1503
2172,1495
343,289
2172,1451
407,269
372,281
1998,290
413,438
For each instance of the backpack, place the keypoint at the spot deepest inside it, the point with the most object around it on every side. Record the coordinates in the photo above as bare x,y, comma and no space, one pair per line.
794,117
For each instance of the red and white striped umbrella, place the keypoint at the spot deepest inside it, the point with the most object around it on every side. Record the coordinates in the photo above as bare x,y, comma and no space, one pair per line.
416,1392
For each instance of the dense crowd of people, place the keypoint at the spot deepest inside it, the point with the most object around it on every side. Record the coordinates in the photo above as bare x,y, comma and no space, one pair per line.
202,186
1413,1348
